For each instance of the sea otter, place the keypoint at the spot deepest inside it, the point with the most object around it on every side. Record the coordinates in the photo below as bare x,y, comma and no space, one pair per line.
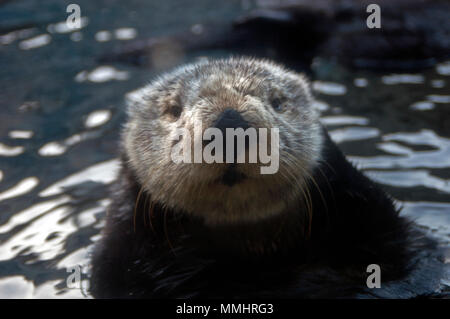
180,230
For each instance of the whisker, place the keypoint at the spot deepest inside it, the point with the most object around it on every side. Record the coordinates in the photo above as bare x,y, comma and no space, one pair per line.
135,207
304,190
166,233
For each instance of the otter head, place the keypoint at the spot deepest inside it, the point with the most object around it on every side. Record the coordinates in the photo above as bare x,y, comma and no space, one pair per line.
224,94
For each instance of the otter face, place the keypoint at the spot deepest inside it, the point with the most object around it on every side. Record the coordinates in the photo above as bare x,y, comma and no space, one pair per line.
232,93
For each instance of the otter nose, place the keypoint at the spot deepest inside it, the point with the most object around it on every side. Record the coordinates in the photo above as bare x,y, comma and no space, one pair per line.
230,119
233,120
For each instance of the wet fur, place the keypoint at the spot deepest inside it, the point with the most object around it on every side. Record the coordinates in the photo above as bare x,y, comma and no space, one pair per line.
202,91
167,254
318,244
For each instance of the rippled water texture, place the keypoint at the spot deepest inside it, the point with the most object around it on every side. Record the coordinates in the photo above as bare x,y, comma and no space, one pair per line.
61,116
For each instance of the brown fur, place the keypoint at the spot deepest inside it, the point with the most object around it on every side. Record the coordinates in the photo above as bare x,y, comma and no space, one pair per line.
198,93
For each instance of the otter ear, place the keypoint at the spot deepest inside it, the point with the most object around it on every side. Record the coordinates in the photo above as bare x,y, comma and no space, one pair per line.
134,100
302,85
303,81
139,103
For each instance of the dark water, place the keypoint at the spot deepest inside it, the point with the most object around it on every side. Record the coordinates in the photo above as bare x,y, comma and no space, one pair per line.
61,113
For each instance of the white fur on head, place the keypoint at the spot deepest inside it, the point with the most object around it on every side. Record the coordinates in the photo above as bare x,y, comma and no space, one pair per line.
199,93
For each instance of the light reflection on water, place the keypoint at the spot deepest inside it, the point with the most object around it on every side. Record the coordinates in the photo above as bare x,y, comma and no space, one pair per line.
7,150
353,134
35,42
22,187
58,154
101,173
40,232
438,157
21,134
102,74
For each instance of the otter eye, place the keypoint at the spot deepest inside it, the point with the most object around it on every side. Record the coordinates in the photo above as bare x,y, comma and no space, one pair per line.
173,110
277,104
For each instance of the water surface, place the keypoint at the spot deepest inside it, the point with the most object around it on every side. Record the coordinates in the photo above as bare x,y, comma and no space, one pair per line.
61,113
